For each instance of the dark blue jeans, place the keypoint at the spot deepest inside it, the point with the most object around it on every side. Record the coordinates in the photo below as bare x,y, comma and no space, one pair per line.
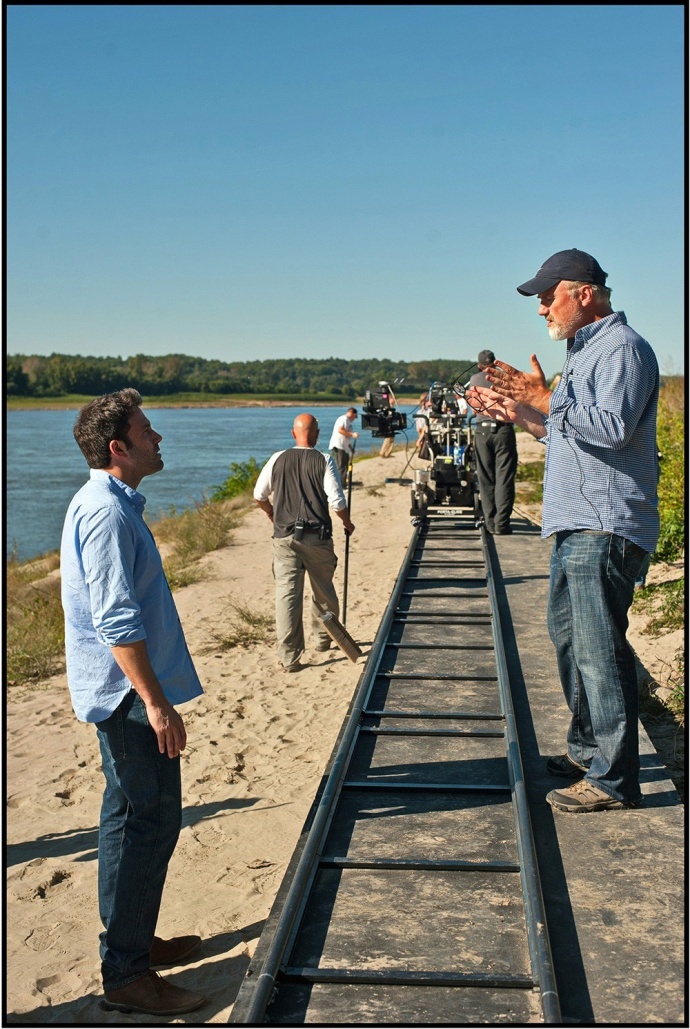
140,822
592,582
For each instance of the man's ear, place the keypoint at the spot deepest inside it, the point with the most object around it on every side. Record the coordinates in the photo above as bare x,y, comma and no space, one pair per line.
586,294
117,449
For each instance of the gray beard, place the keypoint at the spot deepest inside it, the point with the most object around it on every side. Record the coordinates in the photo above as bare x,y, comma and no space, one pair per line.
559,331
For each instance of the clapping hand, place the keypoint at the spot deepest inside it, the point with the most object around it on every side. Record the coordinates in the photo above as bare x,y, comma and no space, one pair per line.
524,387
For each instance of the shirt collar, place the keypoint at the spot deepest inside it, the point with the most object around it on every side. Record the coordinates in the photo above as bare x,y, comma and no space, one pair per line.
136,499
588,332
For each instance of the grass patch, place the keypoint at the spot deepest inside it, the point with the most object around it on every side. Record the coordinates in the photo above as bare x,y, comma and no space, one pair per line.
664,605
675,701
191,534
671,443
246,627
529,480
35,628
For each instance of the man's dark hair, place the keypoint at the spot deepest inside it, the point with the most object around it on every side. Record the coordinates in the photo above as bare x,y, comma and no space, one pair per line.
104,419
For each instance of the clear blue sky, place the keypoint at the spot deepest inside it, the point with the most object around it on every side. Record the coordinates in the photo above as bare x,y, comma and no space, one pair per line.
245,182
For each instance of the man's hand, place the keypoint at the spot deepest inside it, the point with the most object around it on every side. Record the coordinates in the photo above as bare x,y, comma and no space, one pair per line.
489,402
267,507
344,517
168,727
525,387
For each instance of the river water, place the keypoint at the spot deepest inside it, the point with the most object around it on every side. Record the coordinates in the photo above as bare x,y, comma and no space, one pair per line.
44,466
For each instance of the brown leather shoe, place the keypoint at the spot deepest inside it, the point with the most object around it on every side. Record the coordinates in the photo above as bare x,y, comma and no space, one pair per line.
172,952
151,995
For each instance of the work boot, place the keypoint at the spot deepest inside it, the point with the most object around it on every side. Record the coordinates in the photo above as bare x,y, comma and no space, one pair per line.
584,796
151,995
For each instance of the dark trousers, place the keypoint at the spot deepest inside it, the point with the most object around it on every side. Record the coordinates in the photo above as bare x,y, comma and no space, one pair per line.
342,460
141,817
496,452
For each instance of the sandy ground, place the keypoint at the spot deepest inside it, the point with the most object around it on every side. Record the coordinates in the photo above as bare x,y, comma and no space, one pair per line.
258,741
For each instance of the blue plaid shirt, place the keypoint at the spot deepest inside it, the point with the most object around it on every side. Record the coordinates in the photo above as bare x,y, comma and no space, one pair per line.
601,467
114,591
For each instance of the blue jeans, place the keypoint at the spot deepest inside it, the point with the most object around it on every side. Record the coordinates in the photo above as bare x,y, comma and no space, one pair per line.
141,816
591,589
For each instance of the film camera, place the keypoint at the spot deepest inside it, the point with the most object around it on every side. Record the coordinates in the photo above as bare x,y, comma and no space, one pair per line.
379,413
450,480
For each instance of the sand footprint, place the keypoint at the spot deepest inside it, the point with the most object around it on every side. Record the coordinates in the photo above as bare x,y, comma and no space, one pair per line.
56,879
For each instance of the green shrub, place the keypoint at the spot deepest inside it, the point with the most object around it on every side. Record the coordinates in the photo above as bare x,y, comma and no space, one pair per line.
671,443
242,479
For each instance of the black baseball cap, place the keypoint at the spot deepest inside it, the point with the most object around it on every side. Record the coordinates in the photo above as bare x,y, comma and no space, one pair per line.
486,357
574,265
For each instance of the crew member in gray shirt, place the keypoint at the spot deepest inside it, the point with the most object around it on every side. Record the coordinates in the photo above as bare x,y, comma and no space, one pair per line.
306,488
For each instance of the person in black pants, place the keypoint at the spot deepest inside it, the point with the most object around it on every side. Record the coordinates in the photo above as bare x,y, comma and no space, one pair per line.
496,451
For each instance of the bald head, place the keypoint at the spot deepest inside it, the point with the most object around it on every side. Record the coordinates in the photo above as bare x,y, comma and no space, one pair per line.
305,430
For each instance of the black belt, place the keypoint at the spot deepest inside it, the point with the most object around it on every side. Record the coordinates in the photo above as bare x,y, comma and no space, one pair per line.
493,425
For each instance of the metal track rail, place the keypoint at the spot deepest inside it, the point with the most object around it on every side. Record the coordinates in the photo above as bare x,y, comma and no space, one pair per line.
414,895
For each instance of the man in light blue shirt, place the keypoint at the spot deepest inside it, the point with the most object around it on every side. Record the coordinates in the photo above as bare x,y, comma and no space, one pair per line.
600,503
127,666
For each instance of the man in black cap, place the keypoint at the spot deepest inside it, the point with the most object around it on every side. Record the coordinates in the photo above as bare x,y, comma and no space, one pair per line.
496,450
600,504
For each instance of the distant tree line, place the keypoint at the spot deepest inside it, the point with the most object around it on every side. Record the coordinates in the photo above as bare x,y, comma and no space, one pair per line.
62,374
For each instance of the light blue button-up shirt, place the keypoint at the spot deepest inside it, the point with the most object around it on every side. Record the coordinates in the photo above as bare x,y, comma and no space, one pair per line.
601,467
114,591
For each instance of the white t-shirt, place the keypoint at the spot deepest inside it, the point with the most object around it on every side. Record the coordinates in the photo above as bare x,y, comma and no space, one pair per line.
337,438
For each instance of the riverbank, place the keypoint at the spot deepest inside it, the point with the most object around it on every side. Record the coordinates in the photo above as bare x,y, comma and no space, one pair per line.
182,400
258,744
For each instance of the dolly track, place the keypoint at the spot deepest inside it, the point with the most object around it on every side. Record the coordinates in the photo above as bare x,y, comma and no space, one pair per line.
414,894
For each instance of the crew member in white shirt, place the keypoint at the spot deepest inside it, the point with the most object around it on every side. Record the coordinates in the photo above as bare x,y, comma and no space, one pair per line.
341,445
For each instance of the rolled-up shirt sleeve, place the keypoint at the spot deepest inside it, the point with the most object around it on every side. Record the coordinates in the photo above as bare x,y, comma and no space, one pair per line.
108,554
264,484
